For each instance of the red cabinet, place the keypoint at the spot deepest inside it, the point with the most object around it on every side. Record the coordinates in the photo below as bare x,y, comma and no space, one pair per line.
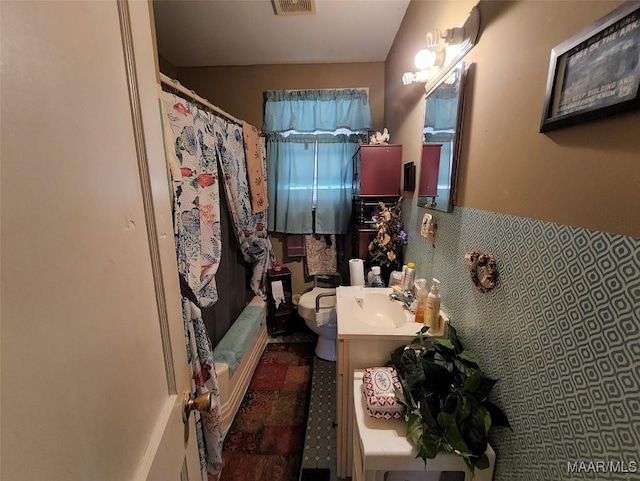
429,170
377,170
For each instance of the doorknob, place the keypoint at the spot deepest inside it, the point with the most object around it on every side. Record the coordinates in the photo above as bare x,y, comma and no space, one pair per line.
201,403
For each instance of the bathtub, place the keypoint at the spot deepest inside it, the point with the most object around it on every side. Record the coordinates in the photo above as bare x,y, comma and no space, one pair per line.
234,377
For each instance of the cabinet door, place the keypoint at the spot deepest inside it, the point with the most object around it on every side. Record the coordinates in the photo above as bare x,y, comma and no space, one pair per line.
429,169
380,170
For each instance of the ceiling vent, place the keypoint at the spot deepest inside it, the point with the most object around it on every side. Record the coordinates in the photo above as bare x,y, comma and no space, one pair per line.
294,7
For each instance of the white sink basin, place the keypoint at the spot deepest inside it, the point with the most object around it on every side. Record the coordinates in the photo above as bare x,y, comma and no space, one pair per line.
379,311
374,316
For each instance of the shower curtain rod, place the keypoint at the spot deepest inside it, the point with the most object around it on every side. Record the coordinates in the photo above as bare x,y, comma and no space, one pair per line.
174,84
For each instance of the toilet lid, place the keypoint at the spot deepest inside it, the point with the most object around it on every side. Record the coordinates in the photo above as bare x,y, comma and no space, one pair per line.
307,306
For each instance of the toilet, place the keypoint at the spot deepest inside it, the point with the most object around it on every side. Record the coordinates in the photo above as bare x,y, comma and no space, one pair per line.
323,322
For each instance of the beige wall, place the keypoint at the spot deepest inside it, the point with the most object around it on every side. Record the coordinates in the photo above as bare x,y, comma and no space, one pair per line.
239,91
167,67
586,175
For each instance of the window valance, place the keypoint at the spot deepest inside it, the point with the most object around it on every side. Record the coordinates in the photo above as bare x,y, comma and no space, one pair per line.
312,110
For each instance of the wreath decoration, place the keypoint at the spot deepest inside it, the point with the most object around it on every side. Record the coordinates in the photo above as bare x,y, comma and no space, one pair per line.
483,269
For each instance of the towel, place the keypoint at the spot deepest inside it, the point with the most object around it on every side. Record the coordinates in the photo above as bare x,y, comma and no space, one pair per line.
296,246
255,173
321,254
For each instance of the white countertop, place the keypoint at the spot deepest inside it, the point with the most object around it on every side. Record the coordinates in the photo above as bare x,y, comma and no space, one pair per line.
349,327
384,446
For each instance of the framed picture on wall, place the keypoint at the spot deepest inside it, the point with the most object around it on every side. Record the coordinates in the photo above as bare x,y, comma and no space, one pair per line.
409,176
595,73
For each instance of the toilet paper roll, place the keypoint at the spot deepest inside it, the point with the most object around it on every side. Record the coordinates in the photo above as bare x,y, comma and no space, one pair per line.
277,291
356,272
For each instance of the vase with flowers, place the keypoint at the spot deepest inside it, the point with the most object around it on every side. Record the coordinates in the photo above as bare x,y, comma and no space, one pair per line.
385,249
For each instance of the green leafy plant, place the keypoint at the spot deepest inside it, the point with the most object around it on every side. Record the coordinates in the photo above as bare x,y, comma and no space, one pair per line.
445,394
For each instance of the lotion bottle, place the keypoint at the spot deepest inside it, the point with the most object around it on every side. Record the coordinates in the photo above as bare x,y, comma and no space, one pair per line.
432,307
421,298
409,277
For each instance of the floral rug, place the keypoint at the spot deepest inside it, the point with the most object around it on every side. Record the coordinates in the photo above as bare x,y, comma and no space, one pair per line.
266,438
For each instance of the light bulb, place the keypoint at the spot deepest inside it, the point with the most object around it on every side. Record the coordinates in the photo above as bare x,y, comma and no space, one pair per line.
425,59
454,36
407,78
414,77
433,38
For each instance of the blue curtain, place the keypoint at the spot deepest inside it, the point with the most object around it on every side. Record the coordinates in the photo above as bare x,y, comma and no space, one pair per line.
312,110
290,165
311,168
291,183
334,184
441,109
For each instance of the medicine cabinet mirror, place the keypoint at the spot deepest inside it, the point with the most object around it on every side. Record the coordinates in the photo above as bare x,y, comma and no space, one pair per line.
441,142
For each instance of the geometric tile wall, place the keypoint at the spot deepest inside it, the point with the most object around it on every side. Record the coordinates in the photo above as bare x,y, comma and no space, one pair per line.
561,330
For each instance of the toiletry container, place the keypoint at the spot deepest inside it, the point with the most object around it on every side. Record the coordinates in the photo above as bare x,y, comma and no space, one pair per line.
409,277
396,279
376,278
432,307
421,297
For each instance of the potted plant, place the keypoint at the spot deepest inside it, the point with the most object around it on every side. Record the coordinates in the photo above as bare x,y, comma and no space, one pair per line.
446,398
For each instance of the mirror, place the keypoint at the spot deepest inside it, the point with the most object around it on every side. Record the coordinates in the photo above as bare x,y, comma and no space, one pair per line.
440,142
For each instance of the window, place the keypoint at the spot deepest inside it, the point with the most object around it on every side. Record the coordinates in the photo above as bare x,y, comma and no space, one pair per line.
312,136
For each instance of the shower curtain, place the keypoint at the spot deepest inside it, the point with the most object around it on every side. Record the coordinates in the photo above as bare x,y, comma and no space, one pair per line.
251,229
197,142
196,195
191,155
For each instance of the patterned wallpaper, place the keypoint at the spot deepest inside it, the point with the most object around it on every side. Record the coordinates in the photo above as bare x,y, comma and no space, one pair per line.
561,331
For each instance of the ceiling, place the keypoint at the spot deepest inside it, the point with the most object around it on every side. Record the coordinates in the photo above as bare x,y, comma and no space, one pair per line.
247,32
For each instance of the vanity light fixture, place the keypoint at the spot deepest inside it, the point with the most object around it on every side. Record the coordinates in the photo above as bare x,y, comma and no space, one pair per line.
427,58
415,77
445,48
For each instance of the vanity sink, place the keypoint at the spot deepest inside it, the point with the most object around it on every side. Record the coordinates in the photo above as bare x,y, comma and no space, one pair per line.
378,310
373,315
370,327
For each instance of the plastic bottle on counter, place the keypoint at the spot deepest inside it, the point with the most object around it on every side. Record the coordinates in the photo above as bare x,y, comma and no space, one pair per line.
421,297
396,279
432,307
376,278
409,277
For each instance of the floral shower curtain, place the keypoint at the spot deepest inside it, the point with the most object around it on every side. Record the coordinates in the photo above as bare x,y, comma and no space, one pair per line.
204,379
251,229
191,155
196,195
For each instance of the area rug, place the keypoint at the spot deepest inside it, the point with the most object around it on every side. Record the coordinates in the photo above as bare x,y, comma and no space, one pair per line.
266,439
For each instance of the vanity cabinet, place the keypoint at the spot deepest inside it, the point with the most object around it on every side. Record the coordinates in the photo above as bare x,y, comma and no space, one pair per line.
362,345
353,354
377,170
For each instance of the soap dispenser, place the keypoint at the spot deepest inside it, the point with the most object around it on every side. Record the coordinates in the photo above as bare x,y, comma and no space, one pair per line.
432,307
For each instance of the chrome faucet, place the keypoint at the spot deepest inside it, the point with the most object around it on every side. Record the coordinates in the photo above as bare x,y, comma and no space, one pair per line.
406,297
